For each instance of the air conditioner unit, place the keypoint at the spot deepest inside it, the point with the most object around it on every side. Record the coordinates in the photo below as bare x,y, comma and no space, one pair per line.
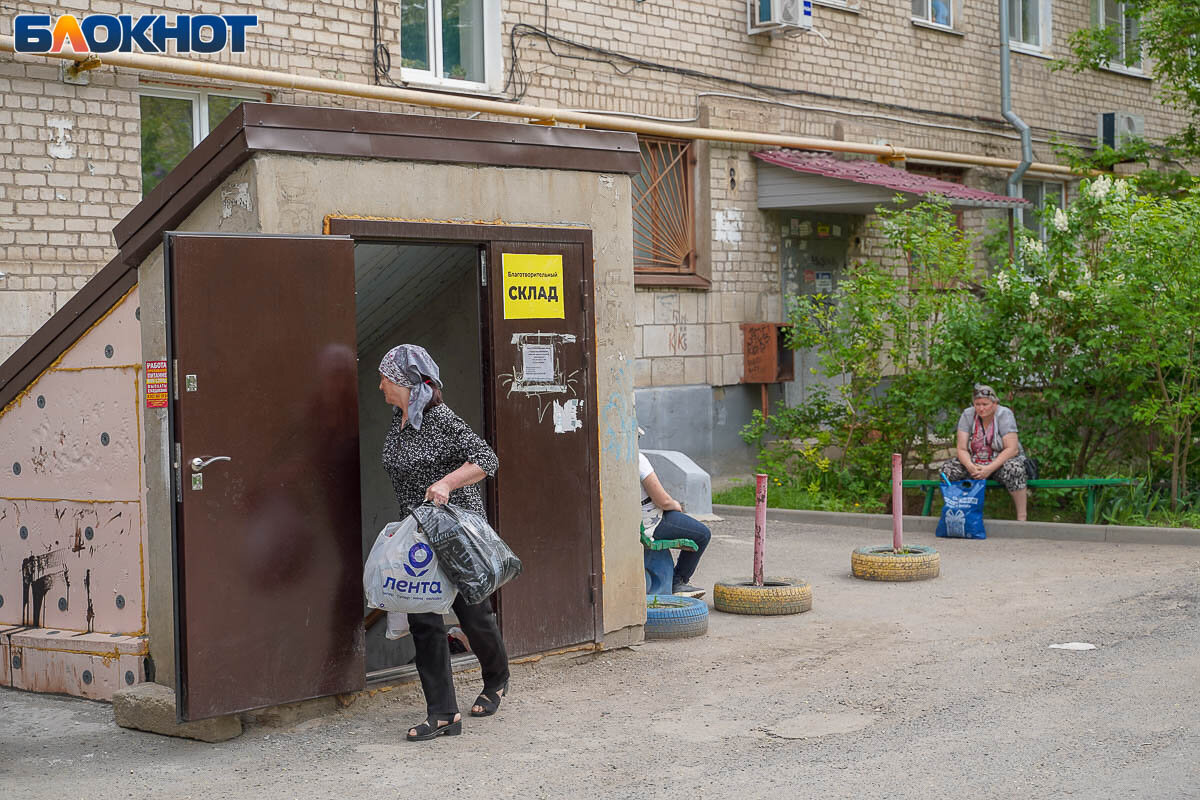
1115,128
775,15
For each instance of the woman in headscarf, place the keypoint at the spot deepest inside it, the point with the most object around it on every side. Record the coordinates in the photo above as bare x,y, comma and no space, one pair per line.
432,454
987,446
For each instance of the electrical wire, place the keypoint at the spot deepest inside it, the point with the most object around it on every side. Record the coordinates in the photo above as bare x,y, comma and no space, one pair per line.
519,76
381,57
623,64
867,115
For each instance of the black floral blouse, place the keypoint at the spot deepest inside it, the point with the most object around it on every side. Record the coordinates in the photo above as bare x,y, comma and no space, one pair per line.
417,459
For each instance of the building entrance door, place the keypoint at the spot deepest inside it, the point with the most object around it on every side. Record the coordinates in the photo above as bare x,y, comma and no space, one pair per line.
536,321
263,387
543,423
814,252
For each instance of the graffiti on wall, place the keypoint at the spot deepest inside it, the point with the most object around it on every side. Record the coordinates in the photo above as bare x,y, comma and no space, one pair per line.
618,420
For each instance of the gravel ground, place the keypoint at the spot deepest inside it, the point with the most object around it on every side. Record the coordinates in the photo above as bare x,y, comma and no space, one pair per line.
944,688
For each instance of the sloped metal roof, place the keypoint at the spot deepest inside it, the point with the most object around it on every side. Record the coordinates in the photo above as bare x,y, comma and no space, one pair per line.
872,173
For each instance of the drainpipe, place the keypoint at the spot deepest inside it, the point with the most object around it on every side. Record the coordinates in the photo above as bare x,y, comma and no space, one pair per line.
1014,179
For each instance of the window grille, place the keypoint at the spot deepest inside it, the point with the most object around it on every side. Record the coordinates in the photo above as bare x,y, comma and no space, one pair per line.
664,227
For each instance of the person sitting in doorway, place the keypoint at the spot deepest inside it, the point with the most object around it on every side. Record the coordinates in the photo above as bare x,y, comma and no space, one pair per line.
988,447
663,518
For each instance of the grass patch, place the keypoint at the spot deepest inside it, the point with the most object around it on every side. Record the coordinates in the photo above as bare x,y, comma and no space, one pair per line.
796,497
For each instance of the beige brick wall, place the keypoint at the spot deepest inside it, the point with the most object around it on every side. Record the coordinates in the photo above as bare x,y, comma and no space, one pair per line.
69,155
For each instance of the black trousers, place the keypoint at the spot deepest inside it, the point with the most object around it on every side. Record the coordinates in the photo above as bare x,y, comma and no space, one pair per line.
433,652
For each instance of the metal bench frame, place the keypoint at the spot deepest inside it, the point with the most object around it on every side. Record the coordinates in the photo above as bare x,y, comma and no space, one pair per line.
1091,484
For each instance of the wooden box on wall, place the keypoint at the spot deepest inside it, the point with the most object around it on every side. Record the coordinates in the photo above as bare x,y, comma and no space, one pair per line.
766,358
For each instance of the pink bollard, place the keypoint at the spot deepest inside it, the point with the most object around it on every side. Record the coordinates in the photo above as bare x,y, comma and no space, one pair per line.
897,504
760,525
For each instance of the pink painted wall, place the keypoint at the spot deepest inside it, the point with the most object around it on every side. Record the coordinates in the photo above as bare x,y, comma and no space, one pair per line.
72,528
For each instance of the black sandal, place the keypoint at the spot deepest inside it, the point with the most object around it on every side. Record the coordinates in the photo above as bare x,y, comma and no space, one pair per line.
429,729
489,701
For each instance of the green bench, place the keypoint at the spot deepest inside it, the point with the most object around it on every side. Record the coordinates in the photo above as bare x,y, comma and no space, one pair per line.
1091,484
659,565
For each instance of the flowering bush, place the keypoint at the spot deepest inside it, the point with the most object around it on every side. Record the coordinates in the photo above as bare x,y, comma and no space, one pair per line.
1089,335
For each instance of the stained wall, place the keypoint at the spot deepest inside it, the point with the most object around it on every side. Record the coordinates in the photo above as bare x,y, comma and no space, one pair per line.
72,528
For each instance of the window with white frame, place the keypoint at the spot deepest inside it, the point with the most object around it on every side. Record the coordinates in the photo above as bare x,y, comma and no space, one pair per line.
1044,197
1125,30
173,121
1028,22
455,43
935,12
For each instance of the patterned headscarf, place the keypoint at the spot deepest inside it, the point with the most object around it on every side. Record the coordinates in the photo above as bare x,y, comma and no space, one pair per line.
410,366
983,390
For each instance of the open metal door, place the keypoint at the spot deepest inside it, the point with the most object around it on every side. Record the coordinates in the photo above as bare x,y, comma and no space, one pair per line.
268,562
542,424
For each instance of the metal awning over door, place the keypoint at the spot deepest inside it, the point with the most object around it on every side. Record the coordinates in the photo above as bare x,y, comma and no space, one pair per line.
792,179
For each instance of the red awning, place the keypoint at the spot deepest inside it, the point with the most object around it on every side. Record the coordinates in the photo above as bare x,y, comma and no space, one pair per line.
869,174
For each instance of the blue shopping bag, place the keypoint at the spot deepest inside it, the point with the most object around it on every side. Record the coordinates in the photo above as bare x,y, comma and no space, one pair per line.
962,510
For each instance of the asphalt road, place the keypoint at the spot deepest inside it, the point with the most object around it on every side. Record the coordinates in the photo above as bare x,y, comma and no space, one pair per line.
940,689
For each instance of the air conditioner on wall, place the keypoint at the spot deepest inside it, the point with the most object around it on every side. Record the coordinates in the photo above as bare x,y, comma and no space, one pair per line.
767,16
1115,128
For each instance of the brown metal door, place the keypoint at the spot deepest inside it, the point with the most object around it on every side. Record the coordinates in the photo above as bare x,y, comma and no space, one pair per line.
268,560
541,411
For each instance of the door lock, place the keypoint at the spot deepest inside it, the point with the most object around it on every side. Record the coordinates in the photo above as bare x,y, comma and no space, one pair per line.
199,463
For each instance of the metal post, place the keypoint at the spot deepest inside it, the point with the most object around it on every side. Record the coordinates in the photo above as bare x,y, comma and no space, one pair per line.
760,525
897,503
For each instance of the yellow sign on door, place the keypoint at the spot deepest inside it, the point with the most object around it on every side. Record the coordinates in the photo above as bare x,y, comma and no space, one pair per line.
533,286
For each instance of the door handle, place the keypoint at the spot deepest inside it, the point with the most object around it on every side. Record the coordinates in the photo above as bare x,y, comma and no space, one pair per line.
199,463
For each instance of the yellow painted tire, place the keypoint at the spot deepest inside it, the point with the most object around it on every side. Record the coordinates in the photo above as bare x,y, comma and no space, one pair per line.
881,564
775,596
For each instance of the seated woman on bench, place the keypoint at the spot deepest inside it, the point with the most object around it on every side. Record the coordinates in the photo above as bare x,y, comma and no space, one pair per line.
988,447
663,519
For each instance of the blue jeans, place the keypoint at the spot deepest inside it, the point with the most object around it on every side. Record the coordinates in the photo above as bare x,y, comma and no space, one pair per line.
677,525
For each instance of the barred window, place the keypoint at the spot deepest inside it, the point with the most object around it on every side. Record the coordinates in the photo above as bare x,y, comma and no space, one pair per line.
664,220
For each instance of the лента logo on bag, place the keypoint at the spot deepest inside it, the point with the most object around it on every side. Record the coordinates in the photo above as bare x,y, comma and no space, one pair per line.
419,558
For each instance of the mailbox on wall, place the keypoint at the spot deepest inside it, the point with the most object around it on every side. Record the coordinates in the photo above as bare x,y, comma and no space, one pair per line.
766,358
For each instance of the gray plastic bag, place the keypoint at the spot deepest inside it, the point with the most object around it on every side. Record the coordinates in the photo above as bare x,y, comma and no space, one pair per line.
469,552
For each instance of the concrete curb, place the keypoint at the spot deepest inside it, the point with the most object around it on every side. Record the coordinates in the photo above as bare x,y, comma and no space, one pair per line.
996,528
151,707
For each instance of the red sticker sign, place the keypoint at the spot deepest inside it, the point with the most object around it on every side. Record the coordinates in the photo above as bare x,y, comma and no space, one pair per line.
156,384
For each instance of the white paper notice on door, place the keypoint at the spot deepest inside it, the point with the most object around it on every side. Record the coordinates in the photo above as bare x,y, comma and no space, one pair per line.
538,363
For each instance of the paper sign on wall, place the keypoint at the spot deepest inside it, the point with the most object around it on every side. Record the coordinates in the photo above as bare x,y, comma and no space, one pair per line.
533,286
537,363
156,384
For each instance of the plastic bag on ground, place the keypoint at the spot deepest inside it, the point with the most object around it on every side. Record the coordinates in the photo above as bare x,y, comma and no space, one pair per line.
472,555
962,512
402,573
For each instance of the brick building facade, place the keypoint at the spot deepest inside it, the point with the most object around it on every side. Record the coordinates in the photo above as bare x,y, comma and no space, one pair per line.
909,73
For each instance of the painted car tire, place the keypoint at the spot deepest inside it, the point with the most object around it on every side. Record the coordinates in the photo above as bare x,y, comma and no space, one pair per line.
775,596
881,564
685,617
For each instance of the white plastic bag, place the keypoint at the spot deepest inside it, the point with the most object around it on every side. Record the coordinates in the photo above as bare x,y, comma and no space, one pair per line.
402,573
397,625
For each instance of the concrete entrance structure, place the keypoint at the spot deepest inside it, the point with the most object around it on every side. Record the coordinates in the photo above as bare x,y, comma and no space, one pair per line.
90,483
